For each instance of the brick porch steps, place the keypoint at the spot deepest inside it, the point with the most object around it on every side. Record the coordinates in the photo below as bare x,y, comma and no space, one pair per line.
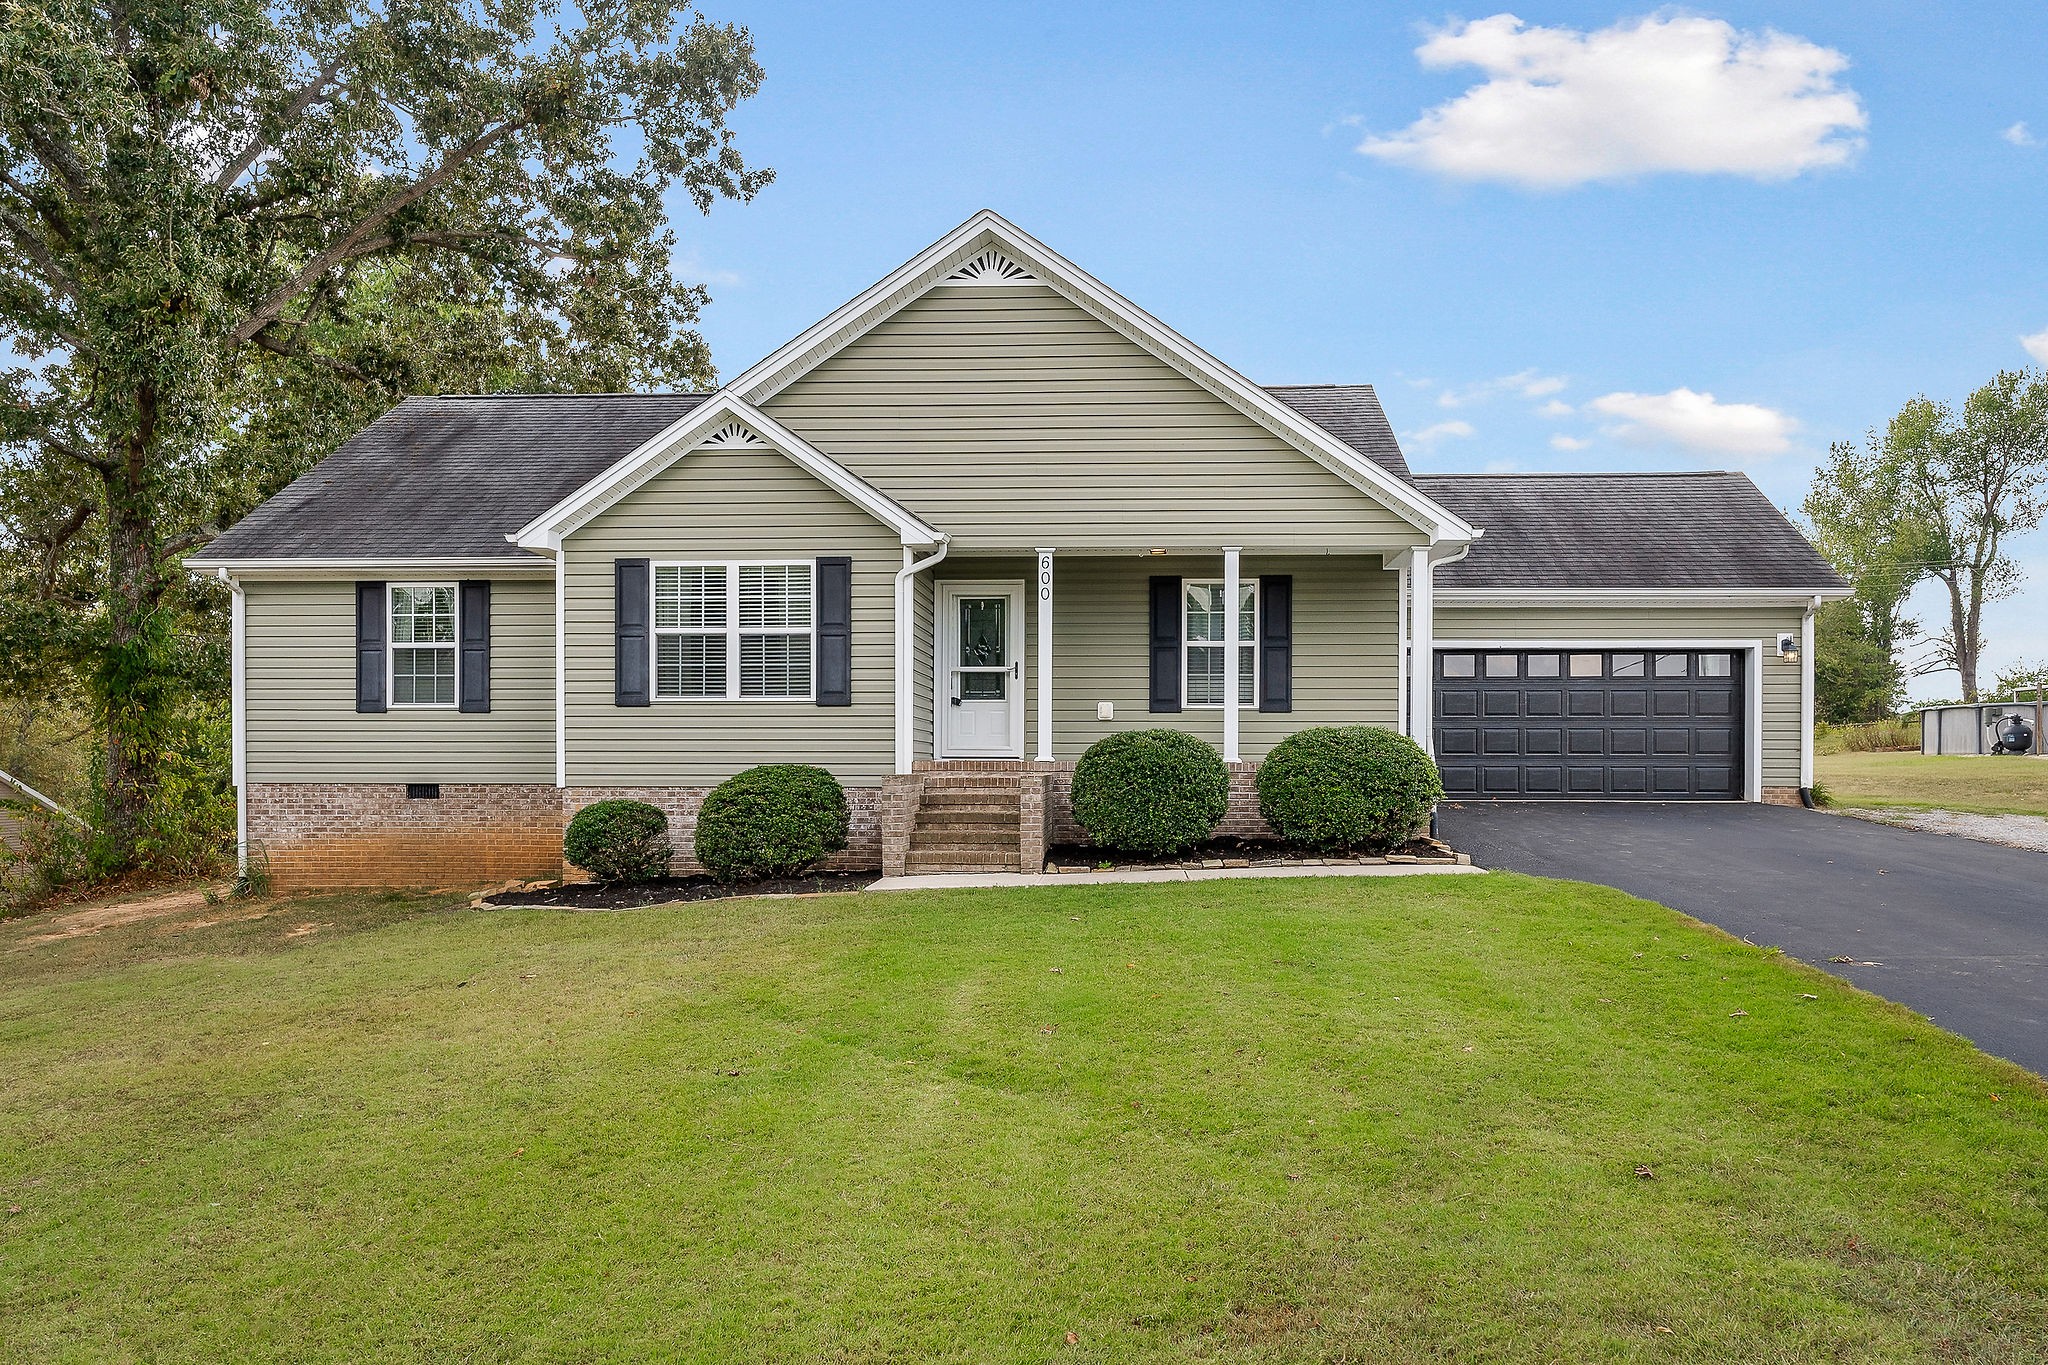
966,822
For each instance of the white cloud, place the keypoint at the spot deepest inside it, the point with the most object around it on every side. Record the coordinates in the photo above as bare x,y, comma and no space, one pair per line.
1569,443
2037,346
1502,467
1555,408
1526,383
2019,135
1439,431
1696,421
1666,92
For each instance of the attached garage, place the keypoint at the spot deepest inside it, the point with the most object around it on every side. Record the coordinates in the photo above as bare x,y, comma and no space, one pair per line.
1591,723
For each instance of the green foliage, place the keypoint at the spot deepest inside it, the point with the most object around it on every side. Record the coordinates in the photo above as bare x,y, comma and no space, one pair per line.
1348,787
1854,677
1150,791
185,826
230,233
619,841
2021,679
773,821
1823,796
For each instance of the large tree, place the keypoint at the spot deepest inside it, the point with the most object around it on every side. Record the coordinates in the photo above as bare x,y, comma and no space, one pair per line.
1974,480
233,228
1858,519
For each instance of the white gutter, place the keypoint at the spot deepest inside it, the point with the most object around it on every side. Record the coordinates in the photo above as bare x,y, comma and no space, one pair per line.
911,568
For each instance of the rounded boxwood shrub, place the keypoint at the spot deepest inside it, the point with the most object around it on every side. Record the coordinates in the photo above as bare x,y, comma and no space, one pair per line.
619,841
1348,787
771,821
1150,791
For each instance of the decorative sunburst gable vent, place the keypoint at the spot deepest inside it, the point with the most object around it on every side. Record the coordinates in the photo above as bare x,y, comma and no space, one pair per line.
991,267
732,434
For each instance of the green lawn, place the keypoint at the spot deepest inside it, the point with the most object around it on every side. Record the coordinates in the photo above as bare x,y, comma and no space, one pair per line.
1991,785
1262,1120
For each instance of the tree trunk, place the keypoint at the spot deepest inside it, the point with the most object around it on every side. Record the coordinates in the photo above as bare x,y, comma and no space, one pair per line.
130,685
1962,639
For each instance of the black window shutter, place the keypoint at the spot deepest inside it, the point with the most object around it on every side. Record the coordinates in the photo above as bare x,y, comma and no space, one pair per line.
1276,642
1166,633
473,670
371,628
835,630
630,617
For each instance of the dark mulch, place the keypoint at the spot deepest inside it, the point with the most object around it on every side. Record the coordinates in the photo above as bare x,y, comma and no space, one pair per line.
1231,851
624,896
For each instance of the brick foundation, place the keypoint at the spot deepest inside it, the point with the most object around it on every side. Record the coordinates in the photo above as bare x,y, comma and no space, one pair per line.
328,834
863,851
1782,796
322,834
1241,819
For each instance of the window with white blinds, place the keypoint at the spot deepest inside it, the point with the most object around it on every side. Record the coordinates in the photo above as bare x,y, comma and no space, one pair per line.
733,631
1207,636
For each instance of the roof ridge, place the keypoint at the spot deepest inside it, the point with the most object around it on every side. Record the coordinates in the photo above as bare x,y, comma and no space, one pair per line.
537,393
1584,474
1332,384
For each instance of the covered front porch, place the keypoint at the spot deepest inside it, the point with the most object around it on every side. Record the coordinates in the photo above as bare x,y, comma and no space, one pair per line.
1015,663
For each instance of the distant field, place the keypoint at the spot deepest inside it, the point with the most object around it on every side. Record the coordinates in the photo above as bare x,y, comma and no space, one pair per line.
1985,786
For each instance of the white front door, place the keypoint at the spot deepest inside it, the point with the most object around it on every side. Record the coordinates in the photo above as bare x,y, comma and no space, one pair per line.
981,674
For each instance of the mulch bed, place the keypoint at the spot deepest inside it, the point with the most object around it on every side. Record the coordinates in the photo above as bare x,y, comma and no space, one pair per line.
667,891
1237,852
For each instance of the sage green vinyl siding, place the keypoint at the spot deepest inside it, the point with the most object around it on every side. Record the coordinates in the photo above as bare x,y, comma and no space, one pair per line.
921,675
300,694
1009,418
1596,625
731,503
1346,628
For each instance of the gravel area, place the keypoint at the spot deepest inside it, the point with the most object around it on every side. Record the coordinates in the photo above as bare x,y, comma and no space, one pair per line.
2014,831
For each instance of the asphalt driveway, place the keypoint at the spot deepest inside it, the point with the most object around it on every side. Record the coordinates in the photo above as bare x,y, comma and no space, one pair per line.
1952,928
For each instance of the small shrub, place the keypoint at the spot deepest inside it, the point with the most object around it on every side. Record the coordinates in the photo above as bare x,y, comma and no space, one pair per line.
1150,791
772,821
619,841
1822,797
1348,787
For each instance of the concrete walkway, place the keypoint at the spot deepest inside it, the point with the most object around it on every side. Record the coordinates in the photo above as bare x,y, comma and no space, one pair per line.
943,881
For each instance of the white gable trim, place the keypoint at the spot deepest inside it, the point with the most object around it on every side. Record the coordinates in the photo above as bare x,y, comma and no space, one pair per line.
988,230
724,420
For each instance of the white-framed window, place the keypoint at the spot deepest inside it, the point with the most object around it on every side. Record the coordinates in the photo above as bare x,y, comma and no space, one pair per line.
1204,636
734,630
422,652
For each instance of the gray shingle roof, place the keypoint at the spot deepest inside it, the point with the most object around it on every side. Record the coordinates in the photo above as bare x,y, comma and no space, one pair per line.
1708,530
449,477
1352,414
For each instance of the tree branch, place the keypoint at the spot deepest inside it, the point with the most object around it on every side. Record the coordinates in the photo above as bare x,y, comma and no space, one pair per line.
338,250
98,463
308,95
278,346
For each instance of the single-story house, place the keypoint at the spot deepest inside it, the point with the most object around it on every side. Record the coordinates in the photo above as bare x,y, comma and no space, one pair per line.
975,519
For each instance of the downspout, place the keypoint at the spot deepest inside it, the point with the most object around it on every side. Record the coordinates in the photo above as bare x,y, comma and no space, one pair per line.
238,715
911,568
1806,706
1422,679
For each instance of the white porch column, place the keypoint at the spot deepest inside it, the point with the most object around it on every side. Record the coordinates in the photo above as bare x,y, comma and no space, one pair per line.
1045,655
1422,650
1231,663
1401,649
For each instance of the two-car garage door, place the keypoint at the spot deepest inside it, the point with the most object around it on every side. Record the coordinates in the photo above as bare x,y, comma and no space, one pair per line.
1590,724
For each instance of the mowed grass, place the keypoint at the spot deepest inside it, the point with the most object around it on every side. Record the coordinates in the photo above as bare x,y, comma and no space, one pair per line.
1365,1120
1995,784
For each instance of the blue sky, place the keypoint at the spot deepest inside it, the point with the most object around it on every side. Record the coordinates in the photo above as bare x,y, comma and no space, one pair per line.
1835,213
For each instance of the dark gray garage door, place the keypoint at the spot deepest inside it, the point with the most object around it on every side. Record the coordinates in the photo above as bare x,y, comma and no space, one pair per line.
1590,724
